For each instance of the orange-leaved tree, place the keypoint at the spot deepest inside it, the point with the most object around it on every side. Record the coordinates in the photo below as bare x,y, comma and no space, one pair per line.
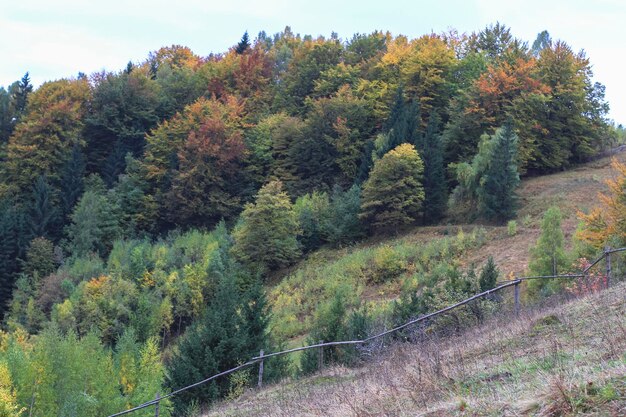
607,222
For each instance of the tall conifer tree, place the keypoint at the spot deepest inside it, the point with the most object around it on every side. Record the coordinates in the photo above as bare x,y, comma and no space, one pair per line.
431,150
497,196
72,184
44,216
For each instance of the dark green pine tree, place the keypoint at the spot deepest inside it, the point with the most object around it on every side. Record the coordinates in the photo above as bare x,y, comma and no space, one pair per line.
402,126
20,98
406,128
215,342
72,183
115,163
43,217
244,44
397,110
255,318
430,148
496,195
488,275
11,249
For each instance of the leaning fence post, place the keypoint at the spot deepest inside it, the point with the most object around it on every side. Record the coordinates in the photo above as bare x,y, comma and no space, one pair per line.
320,357
607,254
516,294
156,406
261,369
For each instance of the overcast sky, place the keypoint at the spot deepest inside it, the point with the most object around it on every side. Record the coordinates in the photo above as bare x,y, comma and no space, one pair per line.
56,39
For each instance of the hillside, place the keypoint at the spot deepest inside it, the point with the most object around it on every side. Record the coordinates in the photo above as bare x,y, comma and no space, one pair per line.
564,359
363,270
170,220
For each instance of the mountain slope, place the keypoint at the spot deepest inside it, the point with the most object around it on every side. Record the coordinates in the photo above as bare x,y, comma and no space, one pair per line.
557,360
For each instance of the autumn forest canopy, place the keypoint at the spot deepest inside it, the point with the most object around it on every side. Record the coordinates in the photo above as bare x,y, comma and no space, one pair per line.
140,207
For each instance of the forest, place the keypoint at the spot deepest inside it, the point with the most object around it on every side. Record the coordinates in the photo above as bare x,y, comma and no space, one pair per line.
148,215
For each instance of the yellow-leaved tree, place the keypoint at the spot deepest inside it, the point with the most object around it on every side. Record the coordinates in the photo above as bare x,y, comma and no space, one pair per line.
606,223
8,401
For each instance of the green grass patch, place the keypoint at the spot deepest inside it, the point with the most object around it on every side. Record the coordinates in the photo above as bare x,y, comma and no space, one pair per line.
317,280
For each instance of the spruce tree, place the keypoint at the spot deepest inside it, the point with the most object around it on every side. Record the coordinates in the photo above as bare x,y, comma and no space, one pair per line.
43,216
72,184
20,98
548,257
115,163
496,194
402,126
244,44
435,189
255,318
216,342
488,275
11,249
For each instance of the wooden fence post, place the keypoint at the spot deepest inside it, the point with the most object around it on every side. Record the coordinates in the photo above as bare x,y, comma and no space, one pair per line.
516,294
260,384
156,406
607,254
320,357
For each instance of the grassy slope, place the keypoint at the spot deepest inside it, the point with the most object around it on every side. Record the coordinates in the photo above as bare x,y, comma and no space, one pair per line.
549,361
570,190
299,290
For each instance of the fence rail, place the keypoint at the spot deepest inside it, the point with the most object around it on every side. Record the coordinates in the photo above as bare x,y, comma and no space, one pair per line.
263,356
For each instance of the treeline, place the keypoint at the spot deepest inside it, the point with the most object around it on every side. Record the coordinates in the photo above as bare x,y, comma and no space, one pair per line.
182,141
271,149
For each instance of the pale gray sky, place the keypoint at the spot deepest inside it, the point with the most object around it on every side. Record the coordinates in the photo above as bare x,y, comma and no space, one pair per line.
56,39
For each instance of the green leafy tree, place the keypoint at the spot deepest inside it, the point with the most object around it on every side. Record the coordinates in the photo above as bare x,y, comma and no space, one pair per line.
311,211
498,184
8,116
123,109
8,400
393,195
95,223
45,136
308,60
192,165
266,235
204,185
335,136
39,259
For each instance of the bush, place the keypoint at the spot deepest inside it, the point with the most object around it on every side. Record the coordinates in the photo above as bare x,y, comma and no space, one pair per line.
511,228
387,265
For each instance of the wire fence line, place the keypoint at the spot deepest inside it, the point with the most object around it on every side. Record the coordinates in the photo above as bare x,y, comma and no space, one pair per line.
262,357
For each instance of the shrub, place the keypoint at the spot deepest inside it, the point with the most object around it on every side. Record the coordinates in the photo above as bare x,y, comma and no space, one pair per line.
511,228
387,265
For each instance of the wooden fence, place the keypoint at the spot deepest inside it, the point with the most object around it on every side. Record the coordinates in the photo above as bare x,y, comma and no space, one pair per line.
263,356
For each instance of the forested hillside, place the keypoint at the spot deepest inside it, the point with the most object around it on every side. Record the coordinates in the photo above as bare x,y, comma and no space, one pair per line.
144,213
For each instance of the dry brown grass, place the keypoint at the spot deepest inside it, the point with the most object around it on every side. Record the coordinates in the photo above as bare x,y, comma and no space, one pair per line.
552,361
